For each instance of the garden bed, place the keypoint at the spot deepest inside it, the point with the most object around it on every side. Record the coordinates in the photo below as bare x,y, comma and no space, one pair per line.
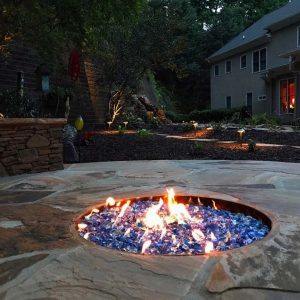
153,147
259,136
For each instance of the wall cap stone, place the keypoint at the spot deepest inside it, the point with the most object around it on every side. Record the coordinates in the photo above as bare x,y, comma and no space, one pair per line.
31,121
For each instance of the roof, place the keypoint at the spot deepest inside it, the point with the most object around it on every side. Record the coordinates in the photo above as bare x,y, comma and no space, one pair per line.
259,29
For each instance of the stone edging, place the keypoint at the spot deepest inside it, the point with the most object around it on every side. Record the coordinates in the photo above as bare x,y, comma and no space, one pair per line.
29,121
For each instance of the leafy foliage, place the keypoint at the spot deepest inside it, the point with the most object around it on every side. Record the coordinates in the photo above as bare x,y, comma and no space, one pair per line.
177,117
259,119
13,105
198,147
143,133
121,130
217,115
170,39
251,146
53,27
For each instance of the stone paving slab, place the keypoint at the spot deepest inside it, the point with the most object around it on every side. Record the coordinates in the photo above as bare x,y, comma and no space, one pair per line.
42,257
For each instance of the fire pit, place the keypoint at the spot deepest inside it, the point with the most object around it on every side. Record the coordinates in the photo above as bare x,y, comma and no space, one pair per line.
165,225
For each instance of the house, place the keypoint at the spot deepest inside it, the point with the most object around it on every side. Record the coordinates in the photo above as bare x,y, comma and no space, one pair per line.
260,68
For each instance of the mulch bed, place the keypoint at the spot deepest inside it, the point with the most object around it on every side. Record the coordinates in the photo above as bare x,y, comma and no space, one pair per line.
259,136
267,137
153,147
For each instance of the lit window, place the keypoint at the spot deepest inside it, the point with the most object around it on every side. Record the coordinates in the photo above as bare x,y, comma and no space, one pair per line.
287,96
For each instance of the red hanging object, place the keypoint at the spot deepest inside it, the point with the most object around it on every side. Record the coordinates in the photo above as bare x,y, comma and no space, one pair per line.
74,65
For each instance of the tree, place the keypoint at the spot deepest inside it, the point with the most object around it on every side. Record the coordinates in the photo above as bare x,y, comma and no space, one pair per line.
215,23
54,26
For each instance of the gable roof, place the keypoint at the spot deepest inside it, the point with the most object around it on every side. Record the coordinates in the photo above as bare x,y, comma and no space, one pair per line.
258,30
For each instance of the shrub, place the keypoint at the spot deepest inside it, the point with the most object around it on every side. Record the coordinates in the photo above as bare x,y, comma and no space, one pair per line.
187,127
251,146
198,147
217,115
133,121
177,117
154,123
142,133
263,118
121,131
12,105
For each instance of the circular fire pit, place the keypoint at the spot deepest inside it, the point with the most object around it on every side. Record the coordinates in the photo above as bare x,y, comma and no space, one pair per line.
165,225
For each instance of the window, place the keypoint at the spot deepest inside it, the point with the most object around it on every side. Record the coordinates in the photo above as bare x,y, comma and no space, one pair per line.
228,102
287,96
228,67
243,61
262,98
256,61
249,100
263,59
259,60
217,70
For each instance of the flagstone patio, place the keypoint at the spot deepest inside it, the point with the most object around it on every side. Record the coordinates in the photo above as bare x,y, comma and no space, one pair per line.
42,257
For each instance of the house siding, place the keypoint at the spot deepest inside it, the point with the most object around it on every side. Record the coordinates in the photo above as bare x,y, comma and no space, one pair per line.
241,81
237,84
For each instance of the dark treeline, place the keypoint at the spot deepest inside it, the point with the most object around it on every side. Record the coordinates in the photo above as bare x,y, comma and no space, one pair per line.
166,40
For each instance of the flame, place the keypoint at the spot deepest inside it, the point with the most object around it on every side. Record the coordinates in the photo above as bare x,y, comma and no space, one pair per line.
123,209
95,210
214,205
127,232
212,236
174,240
157,218
122,212
86,236
227,236
209,247
177,211
163,233
198,235
152,219
110,201
146,245
81,226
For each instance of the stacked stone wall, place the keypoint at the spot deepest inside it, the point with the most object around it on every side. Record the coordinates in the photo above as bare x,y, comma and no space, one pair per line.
30,145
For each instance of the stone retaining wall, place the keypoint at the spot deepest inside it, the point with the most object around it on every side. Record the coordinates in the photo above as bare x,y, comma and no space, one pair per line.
30,145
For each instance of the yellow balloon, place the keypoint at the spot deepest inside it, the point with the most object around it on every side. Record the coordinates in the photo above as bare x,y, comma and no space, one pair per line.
79,123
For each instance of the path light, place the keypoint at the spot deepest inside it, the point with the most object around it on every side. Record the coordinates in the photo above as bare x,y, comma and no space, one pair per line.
125,124
195,127
109,125
241,133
